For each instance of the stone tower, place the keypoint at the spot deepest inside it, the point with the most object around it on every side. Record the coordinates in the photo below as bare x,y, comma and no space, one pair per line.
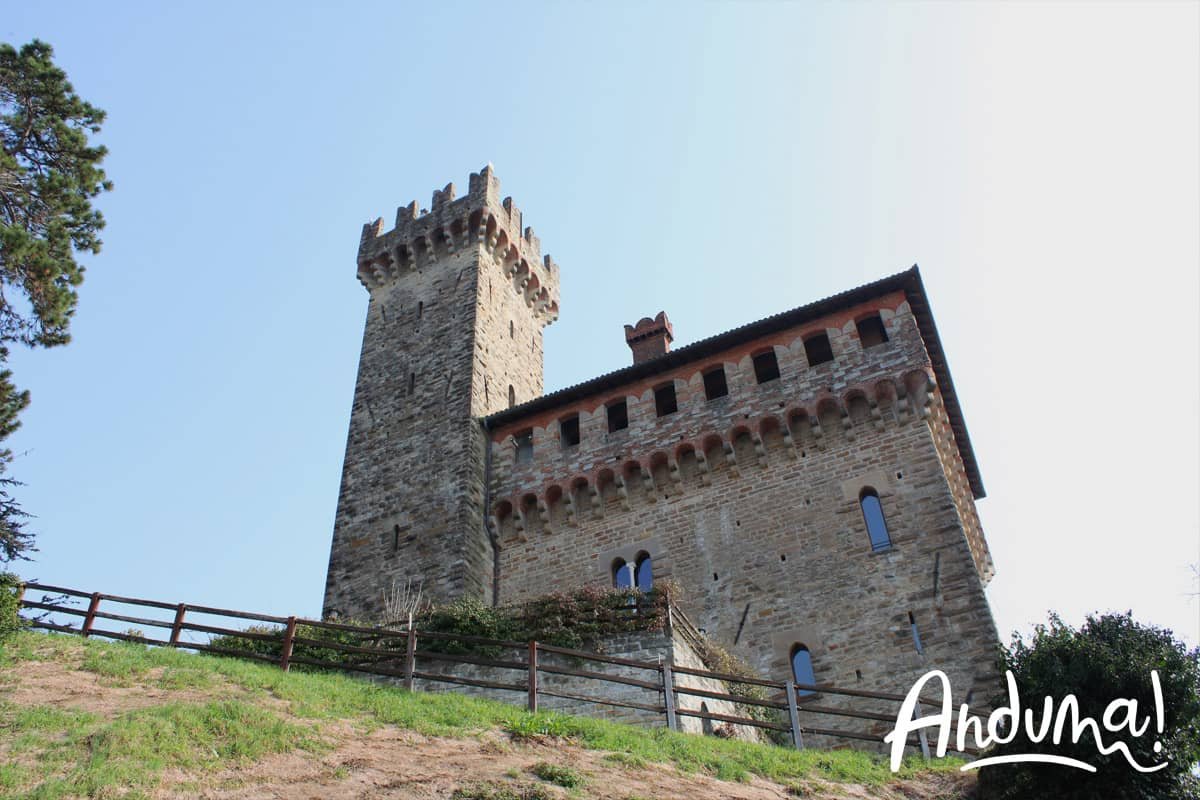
459,295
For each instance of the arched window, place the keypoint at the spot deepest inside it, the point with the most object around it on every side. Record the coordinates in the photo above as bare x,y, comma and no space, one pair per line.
644,574
622,574
512,396
802,668
873,514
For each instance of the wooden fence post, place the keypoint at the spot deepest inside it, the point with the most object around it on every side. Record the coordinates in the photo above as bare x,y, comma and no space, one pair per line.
289,639
177,627
533,677
669,695
410,657
794,716
91,614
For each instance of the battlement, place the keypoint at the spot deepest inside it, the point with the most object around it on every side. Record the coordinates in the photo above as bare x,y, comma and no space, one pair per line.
421,237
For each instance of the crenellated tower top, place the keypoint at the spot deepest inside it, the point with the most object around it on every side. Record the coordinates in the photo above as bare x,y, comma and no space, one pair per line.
423,236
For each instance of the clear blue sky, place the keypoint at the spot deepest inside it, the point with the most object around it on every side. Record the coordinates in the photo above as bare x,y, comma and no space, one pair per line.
721,162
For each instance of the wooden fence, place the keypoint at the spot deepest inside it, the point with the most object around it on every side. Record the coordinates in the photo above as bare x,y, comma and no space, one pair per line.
394,654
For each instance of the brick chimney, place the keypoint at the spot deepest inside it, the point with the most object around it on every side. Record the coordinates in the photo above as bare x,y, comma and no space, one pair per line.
650,338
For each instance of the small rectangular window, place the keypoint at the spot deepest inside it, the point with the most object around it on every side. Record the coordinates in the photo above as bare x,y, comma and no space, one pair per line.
818,349
664,400
714,384
618,416
871,331
766,366
568,431
524,442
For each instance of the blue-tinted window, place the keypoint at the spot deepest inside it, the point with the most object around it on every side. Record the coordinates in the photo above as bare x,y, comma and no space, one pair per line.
876,525
622,574
644,574
802,668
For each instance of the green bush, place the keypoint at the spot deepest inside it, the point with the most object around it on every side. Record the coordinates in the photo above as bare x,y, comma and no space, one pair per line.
557,774
575,620
273,648
9,621
1110,657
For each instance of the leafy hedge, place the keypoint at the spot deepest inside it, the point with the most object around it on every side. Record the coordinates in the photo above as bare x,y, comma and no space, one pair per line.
577,620
9,622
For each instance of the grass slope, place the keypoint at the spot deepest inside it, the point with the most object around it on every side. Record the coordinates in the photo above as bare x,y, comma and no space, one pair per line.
52,751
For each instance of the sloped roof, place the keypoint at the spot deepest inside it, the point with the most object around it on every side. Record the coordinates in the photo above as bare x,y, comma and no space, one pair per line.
908,281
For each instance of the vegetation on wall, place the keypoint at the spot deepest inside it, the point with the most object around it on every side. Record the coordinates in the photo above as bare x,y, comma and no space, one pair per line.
577,620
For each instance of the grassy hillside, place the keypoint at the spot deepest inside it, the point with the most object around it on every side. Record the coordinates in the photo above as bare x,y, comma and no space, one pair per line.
95,719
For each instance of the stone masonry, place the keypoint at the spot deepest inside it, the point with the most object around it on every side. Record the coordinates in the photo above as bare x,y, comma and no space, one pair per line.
747,491
459,295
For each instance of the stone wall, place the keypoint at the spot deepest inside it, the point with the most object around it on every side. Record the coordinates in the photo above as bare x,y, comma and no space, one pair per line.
458,299
751,503
671,646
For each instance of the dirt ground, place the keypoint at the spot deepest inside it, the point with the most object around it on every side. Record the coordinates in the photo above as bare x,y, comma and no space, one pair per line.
394,763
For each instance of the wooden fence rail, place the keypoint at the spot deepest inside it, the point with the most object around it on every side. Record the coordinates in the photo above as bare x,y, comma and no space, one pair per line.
369,656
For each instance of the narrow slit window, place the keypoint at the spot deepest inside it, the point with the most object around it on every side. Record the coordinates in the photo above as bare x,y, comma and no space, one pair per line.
568,431
644,573
916,634
618,416
766,366
524,444
664,400
714,384
511,329
802,669
871,331
412,382
512,396
818,350
872,511
420,309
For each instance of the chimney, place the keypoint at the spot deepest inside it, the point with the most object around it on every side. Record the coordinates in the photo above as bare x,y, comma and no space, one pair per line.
650,338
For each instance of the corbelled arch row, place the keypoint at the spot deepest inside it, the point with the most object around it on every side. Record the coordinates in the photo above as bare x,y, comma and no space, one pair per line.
799,430
376,269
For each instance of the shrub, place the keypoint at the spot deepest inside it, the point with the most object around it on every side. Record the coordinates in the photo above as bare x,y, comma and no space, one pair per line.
9,621
557,774
1110,657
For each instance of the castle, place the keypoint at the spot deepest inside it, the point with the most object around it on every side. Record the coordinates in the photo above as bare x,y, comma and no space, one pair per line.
806,479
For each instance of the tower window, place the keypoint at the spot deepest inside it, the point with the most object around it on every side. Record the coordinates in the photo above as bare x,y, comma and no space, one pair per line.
511,330
916,634
664,400
618,415
420,309
714,384
871,331
766,366
512,396
644,573
802,668
872,511
622,574
524,443
568,431
818,349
